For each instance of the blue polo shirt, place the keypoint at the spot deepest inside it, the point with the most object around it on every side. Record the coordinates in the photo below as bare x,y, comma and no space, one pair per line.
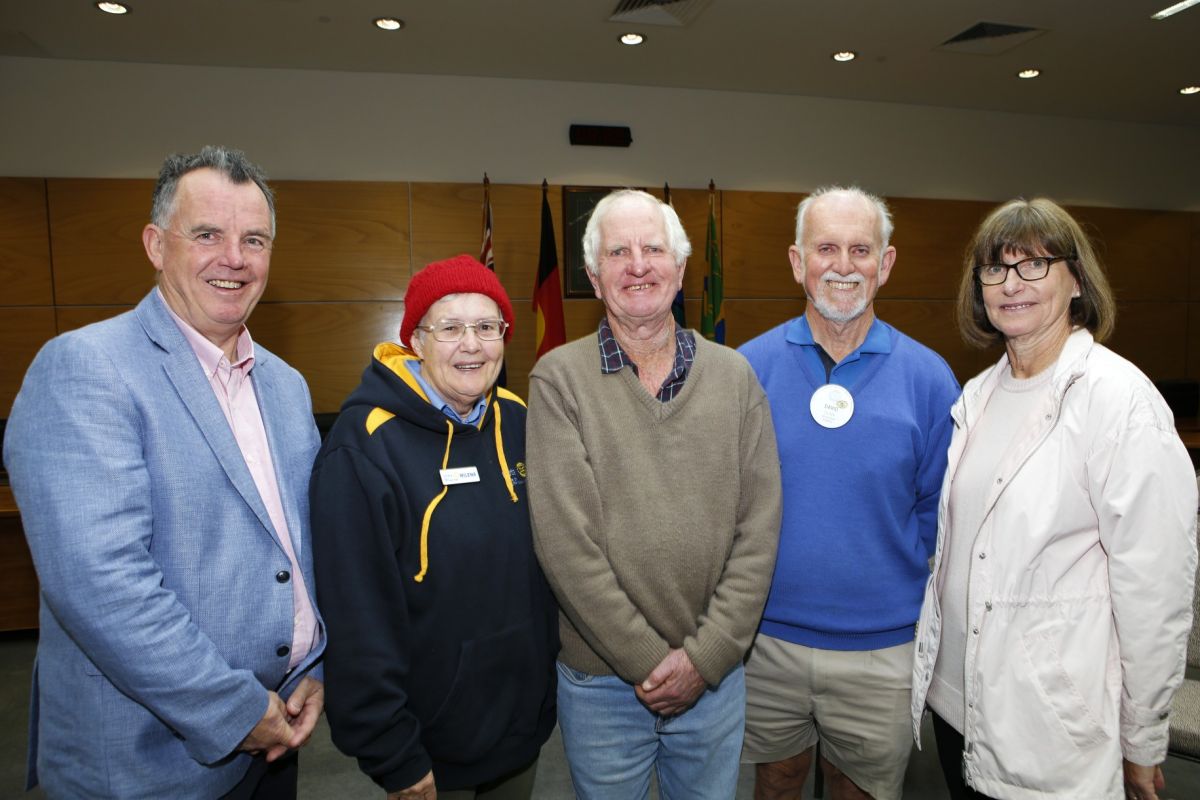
847,372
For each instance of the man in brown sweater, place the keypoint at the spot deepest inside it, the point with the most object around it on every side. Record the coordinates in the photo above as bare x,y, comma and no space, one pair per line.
655,497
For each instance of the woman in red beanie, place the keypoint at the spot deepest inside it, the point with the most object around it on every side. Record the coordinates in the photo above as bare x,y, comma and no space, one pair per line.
439,671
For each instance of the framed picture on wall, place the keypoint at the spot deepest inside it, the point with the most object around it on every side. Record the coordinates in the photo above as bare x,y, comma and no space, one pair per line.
578,202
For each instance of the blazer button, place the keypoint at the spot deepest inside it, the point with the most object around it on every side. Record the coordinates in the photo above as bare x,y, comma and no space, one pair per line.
283,576
282,650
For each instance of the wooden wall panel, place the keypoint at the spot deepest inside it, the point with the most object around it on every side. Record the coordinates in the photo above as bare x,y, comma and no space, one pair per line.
71,317
517,237
1193,347
583,316
1194,262
930,237
692,207
1146,253
757,229
96,236
448,220
347,249
18,580
24,243
747,318
330,343
339,240
518,353
23,331
1154,336
931,322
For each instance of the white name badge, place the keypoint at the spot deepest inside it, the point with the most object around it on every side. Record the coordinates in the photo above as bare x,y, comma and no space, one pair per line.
831,406
459,475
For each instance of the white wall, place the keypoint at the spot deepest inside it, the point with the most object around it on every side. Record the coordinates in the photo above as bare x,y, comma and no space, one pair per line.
101,119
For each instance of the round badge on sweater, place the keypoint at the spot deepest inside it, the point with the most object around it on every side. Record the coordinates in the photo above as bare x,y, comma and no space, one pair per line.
831,406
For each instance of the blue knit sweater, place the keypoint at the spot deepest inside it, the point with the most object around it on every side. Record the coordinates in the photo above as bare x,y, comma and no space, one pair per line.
860,501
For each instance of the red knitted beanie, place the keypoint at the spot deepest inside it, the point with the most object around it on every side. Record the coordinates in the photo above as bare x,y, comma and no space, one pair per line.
461,274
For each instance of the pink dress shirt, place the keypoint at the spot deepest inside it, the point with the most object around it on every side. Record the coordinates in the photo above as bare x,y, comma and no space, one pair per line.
235,393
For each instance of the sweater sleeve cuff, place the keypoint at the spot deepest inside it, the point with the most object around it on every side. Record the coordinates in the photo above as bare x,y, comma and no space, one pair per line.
407,774
644,657
712,656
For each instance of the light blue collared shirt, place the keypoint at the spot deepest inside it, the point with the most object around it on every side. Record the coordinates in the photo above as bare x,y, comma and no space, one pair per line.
437,401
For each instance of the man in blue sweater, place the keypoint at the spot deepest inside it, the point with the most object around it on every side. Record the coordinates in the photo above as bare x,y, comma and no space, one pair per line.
862,420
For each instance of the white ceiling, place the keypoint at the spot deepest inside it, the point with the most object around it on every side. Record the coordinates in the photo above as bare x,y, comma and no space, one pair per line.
1100,59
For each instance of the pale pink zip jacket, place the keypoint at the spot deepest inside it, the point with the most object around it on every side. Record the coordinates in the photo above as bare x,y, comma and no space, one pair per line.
1080,587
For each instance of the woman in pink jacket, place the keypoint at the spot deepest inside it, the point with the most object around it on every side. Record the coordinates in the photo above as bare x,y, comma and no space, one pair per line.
1055,622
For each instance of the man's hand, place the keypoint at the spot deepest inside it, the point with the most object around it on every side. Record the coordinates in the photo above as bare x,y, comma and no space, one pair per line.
673,687
273,733
1143,783
304,708
421,790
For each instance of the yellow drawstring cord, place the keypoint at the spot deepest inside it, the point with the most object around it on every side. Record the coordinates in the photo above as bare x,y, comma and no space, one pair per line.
512,492
500,455
420,576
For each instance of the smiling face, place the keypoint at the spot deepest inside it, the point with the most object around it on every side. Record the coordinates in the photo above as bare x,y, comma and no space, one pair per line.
841,263
638,277
214,254
1029,313
462,371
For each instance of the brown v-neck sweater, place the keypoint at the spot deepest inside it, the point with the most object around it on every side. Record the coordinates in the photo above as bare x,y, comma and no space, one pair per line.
655,523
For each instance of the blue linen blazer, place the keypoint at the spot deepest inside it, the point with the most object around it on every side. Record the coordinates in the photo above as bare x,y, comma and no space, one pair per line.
165,616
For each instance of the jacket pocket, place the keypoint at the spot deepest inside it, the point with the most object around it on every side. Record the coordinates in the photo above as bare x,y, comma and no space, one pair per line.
495,693
1058,690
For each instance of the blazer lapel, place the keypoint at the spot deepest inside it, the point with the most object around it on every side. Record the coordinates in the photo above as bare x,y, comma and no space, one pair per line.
266,390
184,371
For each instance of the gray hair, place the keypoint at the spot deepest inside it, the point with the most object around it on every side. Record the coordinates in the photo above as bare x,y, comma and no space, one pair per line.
231,163
885,216
677,240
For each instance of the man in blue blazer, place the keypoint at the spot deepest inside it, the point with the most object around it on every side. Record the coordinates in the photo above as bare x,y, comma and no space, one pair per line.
160,460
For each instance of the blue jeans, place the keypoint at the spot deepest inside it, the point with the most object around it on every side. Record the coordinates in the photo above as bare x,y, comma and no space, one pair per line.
612,741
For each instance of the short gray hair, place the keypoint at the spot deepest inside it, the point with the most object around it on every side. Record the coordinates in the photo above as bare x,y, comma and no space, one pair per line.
231,163
677,239
886,226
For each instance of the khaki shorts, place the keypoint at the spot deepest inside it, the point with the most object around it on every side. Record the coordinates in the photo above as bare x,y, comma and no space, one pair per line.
855,702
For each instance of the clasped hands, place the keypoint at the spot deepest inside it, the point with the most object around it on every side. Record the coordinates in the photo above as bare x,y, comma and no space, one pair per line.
673,686
287,726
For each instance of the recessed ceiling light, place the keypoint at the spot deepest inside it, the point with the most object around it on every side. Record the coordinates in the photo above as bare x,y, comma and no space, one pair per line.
1190,90
1029,73
1175,9
113,8
389,24
845,55
632,39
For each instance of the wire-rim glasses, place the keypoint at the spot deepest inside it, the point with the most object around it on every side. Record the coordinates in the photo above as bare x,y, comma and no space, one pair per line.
453,330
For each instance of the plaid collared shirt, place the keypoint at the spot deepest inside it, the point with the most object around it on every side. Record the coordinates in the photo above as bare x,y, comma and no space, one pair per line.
613,358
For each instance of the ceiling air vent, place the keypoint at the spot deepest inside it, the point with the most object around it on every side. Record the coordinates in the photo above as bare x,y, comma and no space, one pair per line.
990,38
675,13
